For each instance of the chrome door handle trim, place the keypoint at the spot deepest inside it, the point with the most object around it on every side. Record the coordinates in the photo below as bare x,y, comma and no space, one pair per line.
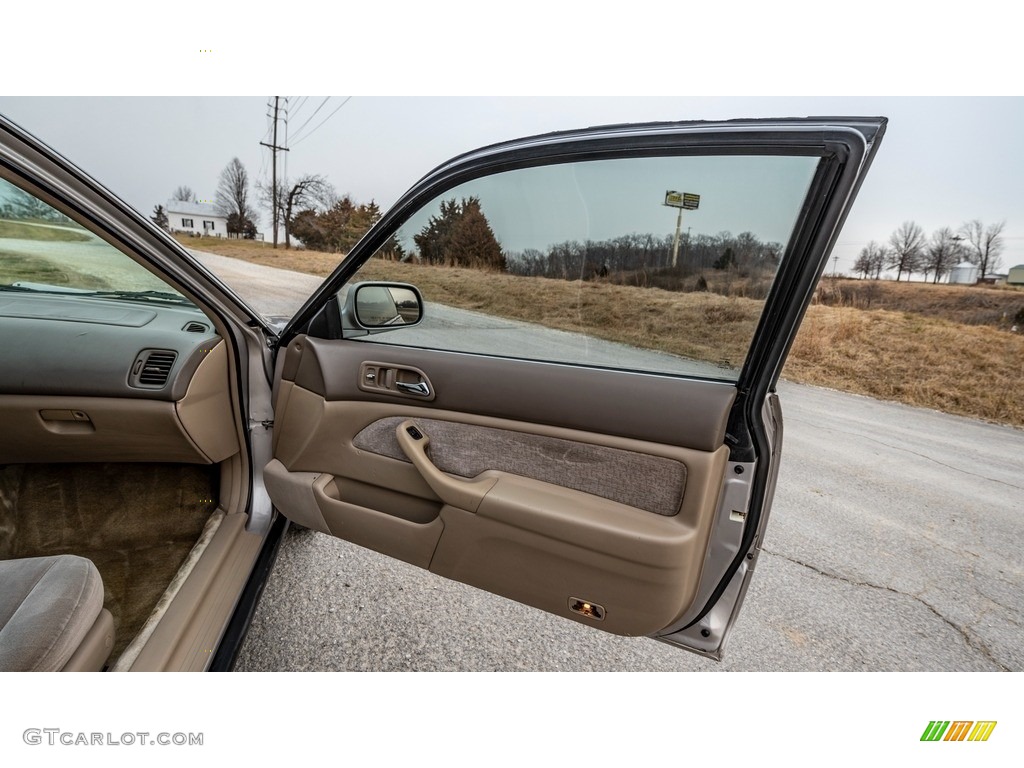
394,380
419,388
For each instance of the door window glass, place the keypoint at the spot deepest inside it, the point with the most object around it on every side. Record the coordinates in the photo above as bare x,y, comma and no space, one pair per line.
654,264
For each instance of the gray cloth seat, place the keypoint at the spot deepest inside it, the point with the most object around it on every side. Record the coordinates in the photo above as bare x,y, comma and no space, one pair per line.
52,616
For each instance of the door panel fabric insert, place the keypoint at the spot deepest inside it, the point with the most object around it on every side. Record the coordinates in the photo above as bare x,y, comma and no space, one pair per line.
651,483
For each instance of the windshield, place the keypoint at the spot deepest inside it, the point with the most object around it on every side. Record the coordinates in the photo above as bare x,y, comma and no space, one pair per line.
42,250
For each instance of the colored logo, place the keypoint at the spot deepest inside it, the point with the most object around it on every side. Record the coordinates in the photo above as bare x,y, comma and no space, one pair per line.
958,730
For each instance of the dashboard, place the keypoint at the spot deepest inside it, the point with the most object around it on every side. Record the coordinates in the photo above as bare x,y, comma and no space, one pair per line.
85,378
71,345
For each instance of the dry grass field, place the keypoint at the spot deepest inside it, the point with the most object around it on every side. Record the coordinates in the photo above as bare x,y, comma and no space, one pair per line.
997,306
942,347
915,359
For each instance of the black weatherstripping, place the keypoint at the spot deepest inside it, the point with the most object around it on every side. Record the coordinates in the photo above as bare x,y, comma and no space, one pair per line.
844,165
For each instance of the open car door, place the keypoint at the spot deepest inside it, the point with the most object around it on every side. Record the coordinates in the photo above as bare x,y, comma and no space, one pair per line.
572,405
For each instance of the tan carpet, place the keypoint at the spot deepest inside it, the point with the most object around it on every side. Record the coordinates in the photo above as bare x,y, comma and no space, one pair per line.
136,522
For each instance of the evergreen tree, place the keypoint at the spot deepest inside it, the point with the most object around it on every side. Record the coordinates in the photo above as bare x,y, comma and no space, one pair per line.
459,235
338,228
241,225
159,218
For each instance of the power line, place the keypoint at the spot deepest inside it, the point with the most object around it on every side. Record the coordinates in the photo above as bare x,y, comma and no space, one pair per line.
274,148
312,131
298,107
266,137
312,116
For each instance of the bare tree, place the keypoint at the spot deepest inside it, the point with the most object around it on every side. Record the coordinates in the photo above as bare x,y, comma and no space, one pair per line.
862,265
907,244
984,244
185,194
311,191
871,260
942,254
232,197
308,192
267,198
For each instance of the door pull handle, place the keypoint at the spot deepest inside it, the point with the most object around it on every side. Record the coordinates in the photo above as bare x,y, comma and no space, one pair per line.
419,388
456,492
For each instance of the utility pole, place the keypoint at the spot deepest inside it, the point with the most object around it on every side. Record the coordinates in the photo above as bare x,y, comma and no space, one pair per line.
675,243
681,201
274,149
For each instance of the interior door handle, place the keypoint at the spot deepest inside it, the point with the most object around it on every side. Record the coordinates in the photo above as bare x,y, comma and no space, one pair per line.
393,379
464,494
418,388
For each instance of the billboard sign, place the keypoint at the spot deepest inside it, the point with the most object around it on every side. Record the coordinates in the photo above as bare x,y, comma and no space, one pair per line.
685,200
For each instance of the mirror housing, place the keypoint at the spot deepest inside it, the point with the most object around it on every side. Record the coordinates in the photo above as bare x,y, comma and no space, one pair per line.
375,307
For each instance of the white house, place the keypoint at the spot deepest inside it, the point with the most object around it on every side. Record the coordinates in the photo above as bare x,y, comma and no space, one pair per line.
1016,276
195,219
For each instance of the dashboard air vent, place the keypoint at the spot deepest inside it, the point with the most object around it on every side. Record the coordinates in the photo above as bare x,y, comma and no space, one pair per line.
195,327
152,367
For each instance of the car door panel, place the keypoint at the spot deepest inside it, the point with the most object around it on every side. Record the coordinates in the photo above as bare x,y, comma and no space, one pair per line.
587,513
503,442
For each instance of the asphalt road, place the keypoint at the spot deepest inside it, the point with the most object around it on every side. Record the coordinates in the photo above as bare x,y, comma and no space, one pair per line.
892,546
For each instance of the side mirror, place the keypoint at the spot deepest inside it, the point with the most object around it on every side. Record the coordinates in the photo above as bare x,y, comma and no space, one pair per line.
378,307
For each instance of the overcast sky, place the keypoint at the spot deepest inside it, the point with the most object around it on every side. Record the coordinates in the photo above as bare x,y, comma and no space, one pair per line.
944,160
